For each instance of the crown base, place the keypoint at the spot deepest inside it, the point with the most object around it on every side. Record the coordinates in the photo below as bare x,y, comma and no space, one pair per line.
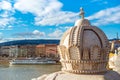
84,67
84,71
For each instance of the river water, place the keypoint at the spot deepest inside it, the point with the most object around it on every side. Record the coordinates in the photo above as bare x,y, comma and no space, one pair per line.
26,72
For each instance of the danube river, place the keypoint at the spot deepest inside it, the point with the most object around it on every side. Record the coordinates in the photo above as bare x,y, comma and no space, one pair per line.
26,72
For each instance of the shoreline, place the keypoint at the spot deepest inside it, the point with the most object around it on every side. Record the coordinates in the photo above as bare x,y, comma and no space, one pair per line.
4,62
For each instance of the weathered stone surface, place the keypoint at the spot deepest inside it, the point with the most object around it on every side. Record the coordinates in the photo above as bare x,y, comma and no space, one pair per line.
117,64
109,75
112,61
84,49
41,77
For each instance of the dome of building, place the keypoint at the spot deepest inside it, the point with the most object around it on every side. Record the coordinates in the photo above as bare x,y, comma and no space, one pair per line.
84,48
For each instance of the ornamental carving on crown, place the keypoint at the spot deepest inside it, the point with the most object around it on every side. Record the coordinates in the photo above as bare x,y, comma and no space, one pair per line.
84,48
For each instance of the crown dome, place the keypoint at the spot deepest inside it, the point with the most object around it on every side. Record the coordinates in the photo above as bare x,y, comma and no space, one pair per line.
84,48
83,22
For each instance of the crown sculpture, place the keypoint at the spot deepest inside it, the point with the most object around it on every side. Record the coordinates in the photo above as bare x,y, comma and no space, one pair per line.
84,48
83,52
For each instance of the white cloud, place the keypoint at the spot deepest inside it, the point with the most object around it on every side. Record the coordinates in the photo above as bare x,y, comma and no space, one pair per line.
10,39
56,18
56,34
1,34
38,33
4,22
5,5
107,16
38,7
6,18
65,27
100,2
10,27
35,34
47,12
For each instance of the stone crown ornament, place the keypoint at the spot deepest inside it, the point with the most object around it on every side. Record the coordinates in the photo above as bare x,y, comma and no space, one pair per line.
84,48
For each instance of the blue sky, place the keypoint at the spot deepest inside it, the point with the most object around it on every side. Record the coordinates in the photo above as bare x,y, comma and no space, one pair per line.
49,19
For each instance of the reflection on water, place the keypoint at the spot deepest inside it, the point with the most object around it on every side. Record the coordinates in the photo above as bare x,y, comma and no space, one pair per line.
4,66
26,72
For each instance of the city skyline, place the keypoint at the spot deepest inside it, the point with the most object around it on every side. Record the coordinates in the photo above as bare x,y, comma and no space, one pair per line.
49,19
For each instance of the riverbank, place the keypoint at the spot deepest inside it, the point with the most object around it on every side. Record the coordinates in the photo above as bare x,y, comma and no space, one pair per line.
4,62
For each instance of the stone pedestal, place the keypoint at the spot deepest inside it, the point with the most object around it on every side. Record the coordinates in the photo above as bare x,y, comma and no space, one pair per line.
109,75
117,64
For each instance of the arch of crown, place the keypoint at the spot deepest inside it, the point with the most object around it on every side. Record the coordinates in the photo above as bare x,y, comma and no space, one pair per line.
84,48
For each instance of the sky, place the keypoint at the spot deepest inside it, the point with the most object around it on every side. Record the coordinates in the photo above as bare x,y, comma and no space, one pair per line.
49,19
